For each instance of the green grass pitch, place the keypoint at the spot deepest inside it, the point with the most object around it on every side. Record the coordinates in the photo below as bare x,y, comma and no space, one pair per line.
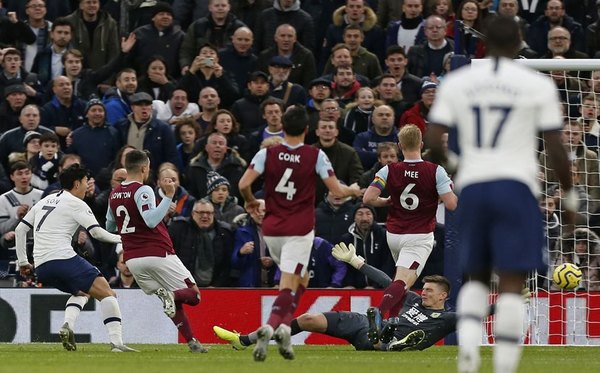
92,358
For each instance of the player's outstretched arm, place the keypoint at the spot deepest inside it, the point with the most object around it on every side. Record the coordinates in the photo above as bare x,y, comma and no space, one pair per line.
102,235
347,253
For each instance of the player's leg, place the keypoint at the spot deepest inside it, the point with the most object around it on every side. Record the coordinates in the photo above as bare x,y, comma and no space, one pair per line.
111,313
508,324
517,233
171,281
472,303
72,310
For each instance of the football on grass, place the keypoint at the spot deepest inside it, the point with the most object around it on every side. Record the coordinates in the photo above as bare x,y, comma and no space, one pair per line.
567,276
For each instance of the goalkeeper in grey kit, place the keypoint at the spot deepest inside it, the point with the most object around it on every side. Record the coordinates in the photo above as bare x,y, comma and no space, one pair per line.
422,321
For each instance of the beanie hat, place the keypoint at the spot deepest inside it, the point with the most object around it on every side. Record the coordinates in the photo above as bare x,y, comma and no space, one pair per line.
364,206
428,84
30,135
214,180
161,6
92,102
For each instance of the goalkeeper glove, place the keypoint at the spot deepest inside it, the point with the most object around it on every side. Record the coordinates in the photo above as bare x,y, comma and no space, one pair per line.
347,254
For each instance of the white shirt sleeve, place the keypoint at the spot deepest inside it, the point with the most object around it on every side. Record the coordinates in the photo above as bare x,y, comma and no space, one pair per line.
258,162
443,183
146,204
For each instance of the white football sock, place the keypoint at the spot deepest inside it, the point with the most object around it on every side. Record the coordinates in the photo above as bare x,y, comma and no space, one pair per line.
111,314
472,307
508,329
72,309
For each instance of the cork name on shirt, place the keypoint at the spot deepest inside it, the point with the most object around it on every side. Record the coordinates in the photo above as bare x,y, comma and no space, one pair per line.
411,174
121,195
294,158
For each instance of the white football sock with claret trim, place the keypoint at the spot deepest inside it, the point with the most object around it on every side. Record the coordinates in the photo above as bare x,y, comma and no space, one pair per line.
472,307
508,329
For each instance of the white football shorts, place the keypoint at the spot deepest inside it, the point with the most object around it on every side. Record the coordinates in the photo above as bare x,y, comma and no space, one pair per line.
410,250
154,272
291,253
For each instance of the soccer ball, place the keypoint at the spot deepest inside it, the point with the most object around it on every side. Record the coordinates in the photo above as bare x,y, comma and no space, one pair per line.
567,276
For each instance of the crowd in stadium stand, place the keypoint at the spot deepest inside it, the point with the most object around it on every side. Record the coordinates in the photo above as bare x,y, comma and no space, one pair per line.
203,84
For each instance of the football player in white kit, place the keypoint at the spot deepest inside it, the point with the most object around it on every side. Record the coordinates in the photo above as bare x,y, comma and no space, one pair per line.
54,220
498,110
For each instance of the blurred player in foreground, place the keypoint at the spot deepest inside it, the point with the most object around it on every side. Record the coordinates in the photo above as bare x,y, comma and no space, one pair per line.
498,110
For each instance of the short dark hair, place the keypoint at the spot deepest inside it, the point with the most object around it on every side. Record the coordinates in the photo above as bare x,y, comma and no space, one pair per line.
352,27
342,67
19,165
13,51
503,36
135,159
395,49
71,174
125,70
271,101
440,280
68,157
210,46
49,137
62,21
295,120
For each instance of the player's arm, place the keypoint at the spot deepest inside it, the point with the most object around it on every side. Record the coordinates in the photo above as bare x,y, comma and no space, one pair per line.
562,169
254,170
347,253
444,189
371,196
85,217
111,222
21,238
145,201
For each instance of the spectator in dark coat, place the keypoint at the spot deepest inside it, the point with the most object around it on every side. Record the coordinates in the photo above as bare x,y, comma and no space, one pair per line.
354,12
554,15
95,142
186,11
247,109
13,73
13,31
238,57
334,215
409,84
10,109
95,34
370,241
156,80
61,33
162,37
65,112
215,157
382,130
143,131
560,44
280,86
344,159
205,71
216,29
12,140
248,11
204,245
284,11
55,8
427,58
250,260
286,45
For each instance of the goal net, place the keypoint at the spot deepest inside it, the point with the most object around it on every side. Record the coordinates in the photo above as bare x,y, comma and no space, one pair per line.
555,316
